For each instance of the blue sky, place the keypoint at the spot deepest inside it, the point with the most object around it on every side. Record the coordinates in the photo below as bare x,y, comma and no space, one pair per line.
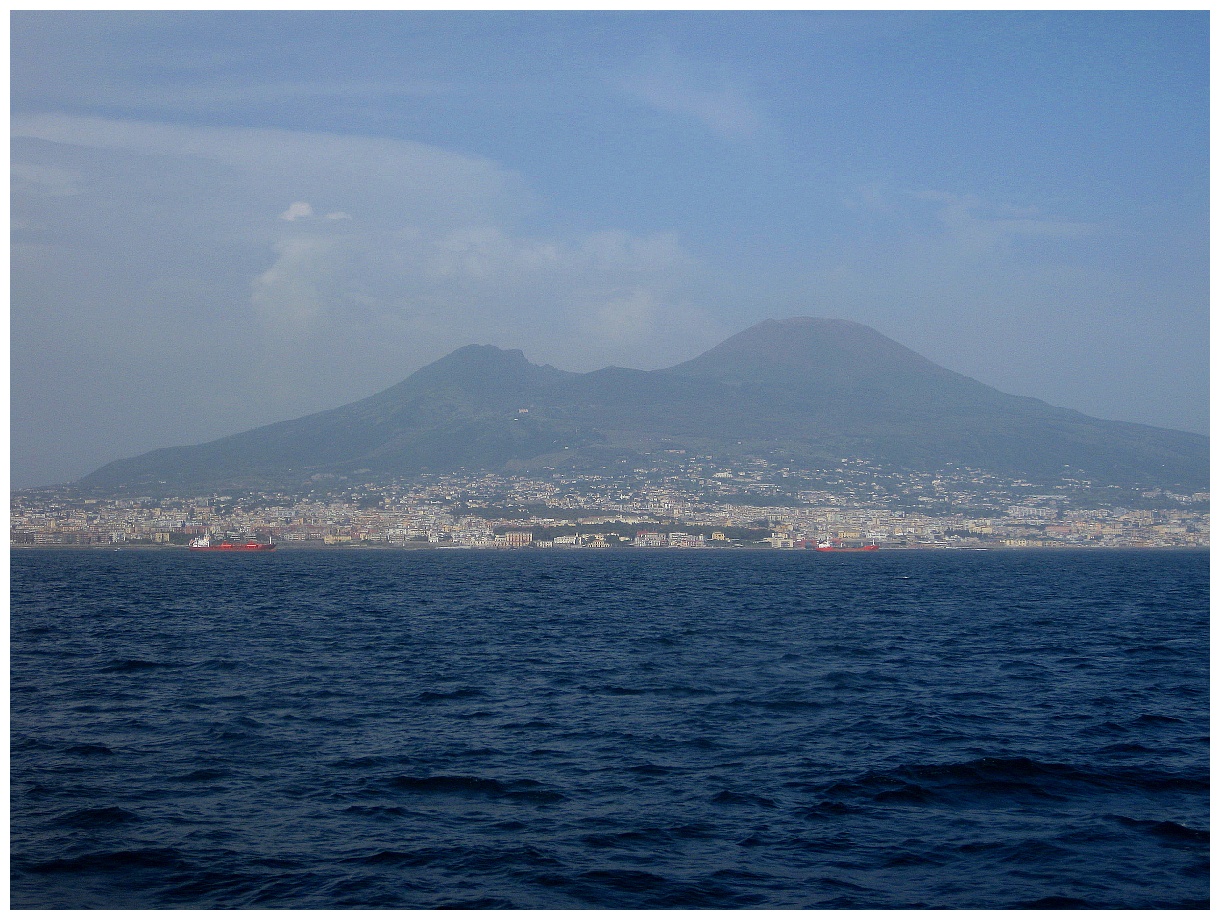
226,219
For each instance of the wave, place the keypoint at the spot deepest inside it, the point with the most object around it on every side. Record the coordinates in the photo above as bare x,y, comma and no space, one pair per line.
89,750
478,904
1006,777
425,857
114,861
96,817
418,753
650,769
522,789
533,723
641,889
1167,830
437,696
377,811
129,665
1155,719
726,797
204,774
646,837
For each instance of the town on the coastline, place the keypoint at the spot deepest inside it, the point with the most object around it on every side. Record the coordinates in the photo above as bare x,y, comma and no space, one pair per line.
679,501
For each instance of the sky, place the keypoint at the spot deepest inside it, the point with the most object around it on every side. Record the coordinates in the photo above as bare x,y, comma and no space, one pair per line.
225,219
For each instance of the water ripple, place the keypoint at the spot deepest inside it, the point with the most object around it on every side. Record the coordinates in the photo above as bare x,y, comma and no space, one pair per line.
621,731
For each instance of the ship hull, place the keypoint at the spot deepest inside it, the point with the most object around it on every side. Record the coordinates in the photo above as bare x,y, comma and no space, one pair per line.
234,548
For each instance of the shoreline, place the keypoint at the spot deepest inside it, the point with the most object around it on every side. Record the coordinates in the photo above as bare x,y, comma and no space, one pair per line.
347,547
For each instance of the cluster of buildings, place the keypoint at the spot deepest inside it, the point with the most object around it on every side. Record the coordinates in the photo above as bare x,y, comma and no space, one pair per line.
683,502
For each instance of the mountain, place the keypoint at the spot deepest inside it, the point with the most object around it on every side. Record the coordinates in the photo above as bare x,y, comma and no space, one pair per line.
813,390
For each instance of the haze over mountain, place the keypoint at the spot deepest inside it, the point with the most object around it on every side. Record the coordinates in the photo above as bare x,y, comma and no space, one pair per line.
812,391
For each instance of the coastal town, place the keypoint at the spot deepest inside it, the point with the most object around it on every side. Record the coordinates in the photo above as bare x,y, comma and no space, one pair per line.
678,502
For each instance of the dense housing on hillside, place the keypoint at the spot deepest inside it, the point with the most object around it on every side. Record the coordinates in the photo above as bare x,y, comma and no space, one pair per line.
683,501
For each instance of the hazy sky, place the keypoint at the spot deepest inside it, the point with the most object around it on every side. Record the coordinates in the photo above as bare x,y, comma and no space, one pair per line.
226,219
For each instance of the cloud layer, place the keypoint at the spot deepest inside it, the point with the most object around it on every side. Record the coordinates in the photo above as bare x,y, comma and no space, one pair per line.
303,270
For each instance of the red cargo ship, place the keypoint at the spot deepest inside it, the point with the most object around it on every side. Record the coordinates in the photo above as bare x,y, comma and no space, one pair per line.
250,546
840,548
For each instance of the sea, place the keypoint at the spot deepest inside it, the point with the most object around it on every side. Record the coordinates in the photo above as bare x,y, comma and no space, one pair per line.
621,729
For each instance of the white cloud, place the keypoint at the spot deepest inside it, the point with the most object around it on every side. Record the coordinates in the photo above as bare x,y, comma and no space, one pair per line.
290,295
980,224
335,173
182,263
671,85
622,316
965,224
297,210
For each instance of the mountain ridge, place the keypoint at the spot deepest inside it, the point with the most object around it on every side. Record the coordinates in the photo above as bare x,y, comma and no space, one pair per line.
814,389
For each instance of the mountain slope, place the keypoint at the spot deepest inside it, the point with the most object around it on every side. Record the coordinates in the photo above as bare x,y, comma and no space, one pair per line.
815,389
853,387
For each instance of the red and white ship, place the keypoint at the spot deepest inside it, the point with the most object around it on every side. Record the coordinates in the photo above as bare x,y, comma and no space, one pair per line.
205,544
837,547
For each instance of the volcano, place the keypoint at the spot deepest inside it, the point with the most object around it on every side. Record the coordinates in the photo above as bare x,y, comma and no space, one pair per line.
813,391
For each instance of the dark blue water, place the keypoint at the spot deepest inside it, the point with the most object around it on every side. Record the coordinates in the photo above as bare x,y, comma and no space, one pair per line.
615,730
